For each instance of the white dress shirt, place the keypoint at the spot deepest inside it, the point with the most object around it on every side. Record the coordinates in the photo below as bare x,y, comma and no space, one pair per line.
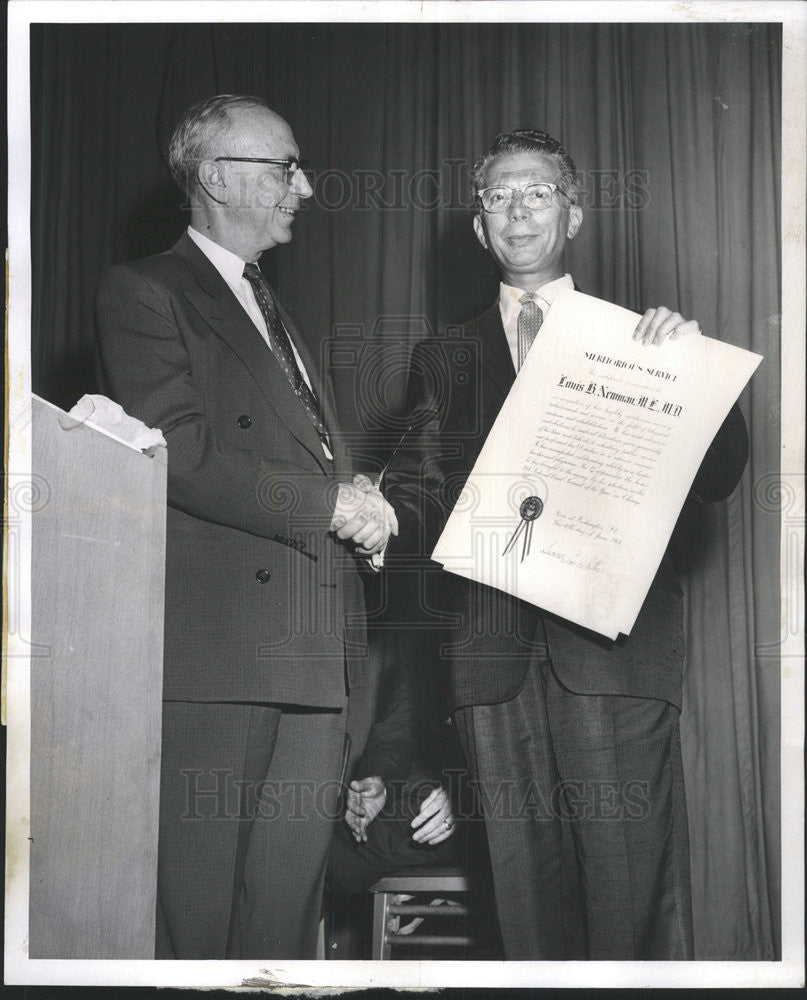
510,307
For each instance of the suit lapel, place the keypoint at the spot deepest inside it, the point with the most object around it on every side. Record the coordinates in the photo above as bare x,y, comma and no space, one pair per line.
498,372
212,298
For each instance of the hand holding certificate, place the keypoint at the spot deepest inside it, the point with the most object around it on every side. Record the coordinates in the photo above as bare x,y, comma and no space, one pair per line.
577,489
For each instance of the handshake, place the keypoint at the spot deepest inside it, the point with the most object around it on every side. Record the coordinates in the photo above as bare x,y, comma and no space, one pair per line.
363,516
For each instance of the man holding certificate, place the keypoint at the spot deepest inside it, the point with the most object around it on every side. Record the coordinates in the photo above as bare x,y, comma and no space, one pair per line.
571,737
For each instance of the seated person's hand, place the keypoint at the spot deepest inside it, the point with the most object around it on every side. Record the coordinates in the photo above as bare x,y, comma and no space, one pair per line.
363,516
365,800
435,821
659,325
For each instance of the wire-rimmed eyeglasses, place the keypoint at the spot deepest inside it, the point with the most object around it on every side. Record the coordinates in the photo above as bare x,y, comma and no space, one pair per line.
536,196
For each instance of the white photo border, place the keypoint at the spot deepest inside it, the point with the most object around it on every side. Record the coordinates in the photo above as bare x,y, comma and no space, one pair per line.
19,969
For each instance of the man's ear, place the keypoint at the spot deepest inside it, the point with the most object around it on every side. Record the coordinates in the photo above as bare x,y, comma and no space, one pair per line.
210,178
479,229
575,221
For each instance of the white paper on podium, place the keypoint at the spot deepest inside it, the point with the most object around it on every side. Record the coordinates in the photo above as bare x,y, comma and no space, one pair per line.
573,498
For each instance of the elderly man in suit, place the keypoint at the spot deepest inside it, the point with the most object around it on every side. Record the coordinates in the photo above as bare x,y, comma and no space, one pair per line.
264,640
573,740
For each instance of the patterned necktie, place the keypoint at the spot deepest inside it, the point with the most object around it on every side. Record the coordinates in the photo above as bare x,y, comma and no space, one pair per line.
529,323
282,350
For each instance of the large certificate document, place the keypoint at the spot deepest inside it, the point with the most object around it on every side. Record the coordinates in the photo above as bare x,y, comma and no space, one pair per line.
578,486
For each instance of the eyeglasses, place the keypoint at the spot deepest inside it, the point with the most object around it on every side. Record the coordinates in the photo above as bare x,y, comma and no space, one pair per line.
290,164
536,196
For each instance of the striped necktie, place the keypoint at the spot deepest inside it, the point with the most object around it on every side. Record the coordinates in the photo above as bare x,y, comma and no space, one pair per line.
281,348
529,323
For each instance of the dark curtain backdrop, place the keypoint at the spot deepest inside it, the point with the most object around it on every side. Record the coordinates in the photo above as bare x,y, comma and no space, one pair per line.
676,131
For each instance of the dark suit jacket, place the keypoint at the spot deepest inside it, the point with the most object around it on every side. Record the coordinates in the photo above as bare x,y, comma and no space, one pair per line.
258,593
457,386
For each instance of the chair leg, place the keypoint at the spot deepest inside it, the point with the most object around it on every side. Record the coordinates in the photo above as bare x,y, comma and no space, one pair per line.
381,950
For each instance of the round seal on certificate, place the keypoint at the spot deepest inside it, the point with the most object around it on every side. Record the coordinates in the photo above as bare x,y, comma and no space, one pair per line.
531,508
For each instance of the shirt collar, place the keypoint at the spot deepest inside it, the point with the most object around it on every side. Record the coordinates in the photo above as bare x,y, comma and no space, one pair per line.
510,296
229,265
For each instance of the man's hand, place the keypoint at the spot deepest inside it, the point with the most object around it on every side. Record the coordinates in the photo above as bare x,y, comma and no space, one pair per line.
658,325
363,483
435,821
363,516
365,800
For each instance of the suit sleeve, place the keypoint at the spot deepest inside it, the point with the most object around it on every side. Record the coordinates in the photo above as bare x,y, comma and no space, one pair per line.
421,485
724,461
145,366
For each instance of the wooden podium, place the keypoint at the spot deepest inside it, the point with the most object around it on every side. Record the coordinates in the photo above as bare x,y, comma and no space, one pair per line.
98,556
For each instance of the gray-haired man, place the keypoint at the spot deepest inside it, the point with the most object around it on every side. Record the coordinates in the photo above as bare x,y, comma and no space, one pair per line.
264,525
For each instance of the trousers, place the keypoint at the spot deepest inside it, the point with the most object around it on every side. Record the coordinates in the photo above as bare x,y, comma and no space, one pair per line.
585,813
248,799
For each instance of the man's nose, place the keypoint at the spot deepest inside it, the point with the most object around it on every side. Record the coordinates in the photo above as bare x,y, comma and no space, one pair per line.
300,184
517,209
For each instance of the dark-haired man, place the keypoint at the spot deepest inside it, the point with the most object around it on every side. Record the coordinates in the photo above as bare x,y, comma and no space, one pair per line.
264,525
572,739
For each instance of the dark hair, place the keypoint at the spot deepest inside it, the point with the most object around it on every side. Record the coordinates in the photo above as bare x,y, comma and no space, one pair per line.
197,132
527,140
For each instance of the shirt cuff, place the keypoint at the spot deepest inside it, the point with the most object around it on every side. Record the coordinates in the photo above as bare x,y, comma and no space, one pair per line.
376,560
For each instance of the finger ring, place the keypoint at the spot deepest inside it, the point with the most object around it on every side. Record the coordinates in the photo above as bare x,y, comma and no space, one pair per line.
446,824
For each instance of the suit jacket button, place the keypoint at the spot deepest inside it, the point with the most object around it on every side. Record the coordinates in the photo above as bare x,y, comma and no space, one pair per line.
244,421
263,575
